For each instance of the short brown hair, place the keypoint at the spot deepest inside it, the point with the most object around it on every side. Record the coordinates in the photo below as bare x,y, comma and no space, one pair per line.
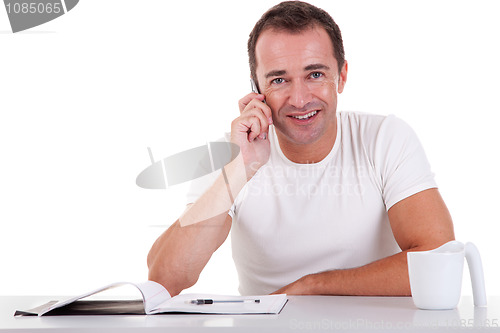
295,17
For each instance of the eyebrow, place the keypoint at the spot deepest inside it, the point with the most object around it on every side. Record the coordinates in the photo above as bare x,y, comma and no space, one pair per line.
275,73
311,67
314,67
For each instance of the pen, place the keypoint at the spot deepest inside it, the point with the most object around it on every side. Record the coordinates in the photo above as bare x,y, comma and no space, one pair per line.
212,301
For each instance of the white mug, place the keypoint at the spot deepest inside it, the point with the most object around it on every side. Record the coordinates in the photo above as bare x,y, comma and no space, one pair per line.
436,276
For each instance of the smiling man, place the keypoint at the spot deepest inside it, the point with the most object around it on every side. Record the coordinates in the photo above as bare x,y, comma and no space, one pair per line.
326,202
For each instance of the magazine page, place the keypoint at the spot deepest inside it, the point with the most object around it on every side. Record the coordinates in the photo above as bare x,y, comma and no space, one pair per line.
219,304
156,300
152,294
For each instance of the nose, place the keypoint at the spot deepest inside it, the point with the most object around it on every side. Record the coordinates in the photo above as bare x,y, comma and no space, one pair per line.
300,94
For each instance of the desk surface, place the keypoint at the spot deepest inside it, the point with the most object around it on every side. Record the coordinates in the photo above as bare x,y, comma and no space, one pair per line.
306,313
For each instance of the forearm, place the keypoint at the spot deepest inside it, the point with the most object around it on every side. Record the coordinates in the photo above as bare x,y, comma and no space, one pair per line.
179,255
384,277
218,199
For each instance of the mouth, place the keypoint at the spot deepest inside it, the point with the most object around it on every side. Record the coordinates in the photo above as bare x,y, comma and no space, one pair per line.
305,117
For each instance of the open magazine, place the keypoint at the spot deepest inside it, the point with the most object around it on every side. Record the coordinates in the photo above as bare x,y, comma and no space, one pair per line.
156,299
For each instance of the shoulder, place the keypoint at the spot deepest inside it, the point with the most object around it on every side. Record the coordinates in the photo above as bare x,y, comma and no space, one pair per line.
373,127
370,121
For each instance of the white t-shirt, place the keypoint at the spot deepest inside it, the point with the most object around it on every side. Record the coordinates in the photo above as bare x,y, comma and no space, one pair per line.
293,219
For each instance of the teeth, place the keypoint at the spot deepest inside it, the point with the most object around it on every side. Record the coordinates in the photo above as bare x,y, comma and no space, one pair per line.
310,114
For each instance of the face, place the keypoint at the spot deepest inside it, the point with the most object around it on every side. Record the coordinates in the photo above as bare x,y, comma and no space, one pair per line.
298,74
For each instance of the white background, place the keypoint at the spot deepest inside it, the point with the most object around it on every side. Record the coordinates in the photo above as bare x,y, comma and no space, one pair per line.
83,96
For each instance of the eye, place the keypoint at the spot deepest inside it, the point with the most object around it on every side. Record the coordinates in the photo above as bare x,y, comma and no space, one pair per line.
278,80
316,75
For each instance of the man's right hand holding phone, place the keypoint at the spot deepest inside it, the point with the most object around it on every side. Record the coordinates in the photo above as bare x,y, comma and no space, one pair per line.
250,132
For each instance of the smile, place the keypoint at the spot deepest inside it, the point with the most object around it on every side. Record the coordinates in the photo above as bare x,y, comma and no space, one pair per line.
306,116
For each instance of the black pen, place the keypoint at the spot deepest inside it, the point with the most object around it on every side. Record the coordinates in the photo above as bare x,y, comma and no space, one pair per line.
212,301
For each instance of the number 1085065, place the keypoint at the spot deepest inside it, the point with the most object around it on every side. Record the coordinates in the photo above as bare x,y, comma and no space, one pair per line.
34,8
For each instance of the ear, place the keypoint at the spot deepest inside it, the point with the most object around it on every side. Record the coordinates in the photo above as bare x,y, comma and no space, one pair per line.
342,78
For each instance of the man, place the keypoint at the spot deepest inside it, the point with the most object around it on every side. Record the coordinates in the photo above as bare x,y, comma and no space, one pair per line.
324,202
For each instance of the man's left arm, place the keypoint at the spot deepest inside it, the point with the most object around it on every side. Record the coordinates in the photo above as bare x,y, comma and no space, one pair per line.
419,222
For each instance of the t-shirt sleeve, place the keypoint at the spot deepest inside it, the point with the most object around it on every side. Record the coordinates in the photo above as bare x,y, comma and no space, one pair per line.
401,162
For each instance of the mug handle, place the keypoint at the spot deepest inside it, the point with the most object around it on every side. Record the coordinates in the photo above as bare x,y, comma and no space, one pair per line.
476,274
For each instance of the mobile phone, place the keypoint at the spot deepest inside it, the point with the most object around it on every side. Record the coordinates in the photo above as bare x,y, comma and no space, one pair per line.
254,87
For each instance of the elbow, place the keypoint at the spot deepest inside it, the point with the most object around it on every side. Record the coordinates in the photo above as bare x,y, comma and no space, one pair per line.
151,259
432,243
173,284
172,278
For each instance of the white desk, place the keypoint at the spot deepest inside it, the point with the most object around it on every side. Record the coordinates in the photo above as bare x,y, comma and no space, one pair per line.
302,313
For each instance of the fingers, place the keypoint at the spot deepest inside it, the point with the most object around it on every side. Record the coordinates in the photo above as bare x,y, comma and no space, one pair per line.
255,129
252,123
242,103
255,117
257,102
259,125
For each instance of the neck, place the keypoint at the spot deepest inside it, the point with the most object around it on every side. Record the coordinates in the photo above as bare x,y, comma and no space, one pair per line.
311,152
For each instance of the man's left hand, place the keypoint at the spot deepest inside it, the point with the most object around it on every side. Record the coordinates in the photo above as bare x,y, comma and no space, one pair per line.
299,287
